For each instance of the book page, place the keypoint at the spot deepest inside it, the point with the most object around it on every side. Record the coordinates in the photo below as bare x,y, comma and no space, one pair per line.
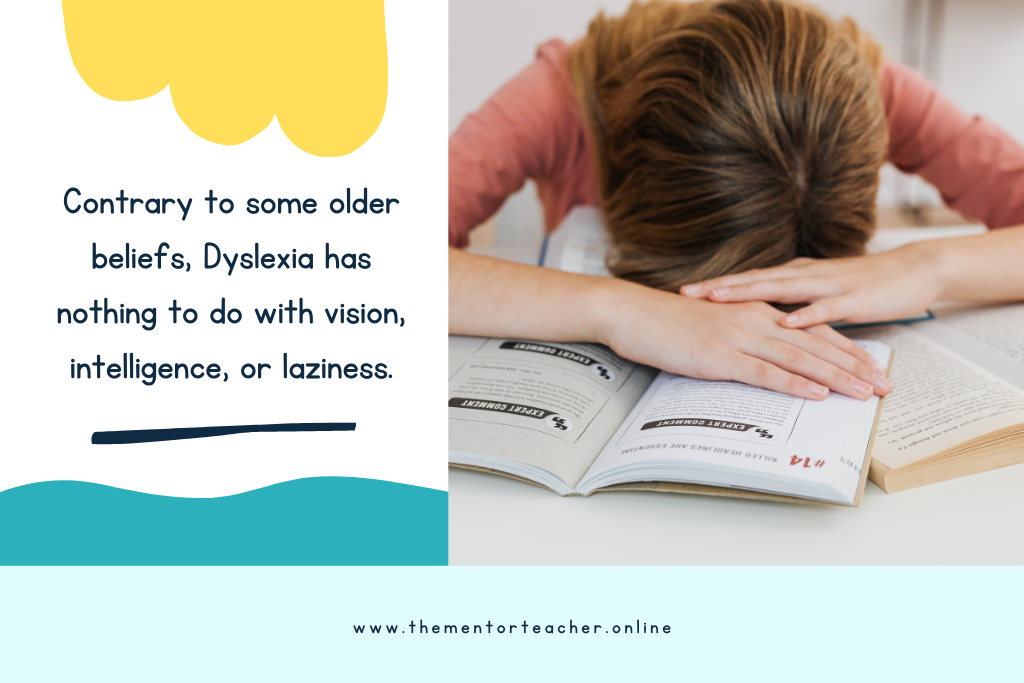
990,336
550,405
939,399
754,433
728,410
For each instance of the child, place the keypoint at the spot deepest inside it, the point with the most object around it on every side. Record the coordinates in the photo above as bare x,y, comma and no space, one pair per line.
717,138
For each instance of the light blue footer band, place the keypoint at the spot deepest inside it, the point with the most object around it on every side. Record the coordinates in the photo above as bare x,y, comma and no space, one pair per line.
316,521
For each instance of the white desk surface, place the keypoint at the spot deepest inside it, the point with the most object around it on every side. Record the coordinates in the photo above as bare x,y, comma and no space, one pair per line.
973,520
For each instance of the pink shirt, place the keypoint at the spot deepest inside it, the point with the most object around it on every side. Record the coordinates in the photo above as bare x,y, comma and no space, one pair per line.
532,128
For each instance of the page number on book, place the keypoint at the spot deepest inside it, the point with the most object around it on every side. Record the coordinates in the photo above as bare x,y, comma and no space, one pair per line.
603,372
558,422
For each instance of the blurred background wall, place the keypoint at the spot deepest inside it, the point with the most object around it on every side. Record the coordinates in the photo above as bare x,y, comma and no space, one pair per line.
973,49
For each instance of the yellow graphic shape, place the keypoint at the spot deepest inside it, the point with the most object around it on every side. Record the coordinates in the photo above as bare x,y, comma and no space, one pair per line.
320,67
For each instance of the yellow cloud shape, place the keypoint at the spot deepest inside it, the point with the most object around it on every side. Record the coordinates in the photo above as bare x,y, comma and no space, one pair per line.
321,67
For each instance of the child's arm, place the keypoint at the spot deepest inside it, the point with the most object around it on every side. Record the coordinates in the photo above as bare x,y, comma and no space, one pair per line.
884,286
978,167
743,342
528,129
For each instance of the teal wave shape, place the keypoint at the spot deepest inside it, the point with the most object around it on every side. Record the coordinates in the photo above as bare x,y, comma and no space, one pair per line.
314,521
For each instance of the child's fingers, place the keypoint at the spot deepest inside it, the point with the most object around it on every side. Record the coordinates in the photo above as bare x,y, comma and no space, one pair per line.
809,365
697,290
789,290
702,289
847,360
829,335
759,373
818,313
845,344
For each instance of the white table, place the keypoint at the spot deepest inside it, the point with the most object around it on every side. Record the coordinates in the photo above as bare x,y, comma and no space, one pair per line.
974,520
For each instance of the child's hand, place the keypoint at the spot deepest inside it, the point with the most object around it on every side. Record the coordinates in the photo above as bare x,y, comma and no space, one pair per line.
741,342
886,286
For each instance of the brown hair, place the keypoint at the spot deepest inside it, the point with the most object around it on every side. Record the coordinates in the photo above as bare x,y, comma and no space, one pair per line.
730,135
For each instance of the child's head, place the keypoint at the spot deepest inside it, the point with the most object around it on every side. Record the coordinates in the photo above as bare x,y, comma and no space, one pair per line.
730,135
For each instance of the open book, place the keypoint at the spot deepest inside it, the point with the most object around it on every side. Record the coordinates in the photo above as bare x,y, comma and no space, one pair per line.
576,418
958,403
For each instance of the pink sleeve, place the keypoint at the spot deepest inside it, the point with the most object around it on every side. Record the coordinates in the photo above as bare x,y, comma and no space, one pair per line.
978,168
521,132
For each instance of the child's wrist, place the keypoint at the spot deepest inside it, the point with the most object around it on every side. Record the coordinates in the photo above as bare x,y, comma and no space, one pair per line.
937,261
608,301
